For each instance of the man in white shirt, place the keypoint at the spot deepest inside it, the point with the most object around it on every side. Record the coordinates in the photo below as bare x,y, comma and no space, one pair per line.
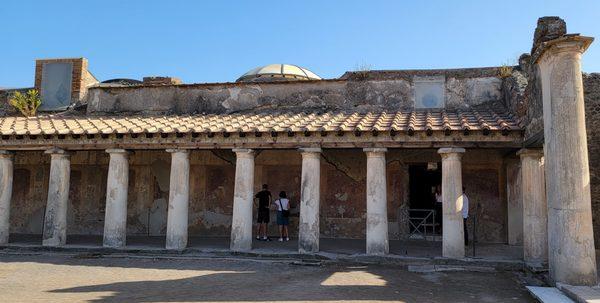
438,205
465,215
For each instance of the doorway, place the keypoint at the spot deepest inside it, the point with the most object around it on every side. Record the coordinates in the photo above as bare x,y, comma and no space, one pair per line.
424,217
423,179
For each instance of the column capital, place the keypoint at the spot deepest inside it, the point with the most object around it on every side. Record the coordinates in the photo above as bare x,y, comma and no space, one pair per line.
531,152
565,44
243,152
375,150
117,151
451,150
58,152
310,150
6,154
178,150
451,153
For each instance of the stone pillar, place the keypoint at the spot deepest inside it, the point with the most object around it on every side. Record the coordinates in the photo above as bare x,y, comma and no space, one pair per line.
179,194
55,220
535,214
308,237
514,203
115,216
377,220
241,225
453,241
572,258
6,183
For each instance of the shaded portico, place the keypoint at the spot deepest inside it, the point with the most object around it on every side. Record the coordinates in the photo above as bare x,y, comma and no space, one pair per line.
352,162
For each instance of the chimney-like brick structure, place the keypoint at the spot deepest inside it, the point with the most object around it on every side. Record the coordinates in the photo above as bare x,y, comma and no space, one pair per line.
161,81
81,77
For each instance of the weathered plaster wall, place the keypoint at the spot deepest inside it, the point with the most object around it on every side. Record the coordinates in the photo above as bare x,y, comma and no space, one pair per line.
464,88
591,87
211,192
30,189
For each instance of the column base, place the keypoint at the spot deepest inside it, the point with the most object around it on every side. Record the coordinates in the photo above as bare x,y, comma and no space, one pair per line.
176,243
53,242
113,243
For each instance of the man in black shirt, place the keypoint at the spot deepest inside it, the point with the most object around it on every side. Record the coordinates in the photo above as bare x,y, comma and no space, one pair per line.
264,204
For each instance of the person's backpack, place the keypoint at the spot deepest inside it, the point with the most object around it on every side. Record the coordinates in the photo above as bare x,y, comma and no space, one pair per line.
284,212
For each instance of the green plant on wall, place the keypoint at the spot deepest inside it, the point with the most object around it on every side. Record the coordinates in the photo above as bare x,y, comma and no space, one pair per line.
26,103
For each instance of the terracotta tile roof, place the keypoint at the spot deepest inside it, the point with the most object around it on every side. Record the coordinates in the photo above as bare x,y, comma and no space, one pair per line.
406,121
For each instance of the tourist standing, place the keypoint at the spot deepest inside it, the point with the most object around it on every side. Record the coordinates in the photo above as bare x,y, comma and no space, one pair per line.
465,215
264,202
438,206
283,214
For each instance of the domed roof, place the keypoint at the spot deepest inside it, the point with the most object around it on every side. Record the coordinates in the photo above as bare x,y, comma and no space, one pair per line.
278,72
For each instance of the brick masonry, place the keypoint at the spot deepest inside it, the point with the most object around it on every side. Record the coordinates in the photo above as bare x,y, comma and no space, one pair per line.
81,76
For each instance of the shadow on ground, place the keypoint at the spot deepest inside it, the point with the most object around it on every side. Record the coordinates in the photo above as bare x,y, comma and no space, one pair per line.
60,277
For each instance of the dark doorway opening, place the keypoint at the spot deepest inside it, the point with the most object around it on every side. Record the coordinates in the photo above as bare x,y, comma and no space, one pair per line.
424,214
423,179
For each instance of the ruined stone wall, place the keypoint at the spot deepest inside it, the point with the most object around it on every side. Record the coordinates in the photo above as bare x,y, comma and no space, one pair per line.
535,127
394,90
343,208
591,87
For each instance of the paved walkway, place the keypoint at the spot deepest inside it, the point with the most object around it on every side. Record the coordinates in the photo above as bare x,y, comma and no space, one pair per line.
408,248
72,278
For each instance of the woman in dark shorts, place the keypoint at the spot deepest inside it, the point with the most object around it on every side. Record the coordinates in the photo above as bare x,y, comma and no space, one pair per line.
283,220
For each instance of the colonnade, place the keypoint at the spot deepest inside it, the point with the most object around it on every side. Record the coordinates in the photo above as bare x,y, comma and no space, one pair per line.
115,224
535,209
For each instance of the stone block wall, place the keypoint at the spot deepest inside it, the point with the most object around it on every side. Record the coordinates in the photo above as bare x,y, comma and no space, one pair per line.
161,81
393,90
343,183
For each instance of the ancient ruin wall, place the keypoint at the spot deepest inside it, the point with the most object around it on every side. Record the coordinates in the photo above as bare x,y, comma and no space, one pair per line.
528,104
591,87
211,191
379,91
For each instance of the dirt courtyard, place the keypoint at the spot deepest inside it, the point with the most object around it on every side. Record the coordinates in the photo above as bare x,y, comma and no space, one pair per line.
75,278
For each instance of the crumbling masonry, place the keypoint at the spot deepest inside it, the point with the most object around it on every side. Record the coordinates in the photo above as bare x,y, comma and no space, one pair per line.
162,158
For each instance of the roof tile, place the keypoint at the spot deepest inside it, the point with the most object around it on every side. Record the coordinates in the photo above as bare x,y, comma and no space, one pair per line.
441,120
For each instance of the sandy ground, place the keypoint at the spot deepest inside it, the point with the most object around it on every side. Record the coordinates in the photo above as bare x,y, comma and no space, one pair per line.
75,278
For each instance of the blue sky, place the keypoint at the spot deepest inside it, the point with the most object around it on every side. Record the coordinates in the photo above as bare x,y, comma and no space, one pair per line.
217,41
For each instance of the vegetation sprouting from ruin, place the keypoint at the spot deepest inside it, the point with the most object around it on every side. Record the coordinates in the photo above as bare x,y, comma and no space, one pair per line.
26,103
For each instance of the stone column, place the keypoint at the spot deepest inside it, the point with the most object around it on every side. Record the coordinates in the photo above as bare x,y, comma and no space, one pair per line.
453,241
179,194
572,258
535,213
55,220
115,216
377,220
514,203
6,183
308,237
241,225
